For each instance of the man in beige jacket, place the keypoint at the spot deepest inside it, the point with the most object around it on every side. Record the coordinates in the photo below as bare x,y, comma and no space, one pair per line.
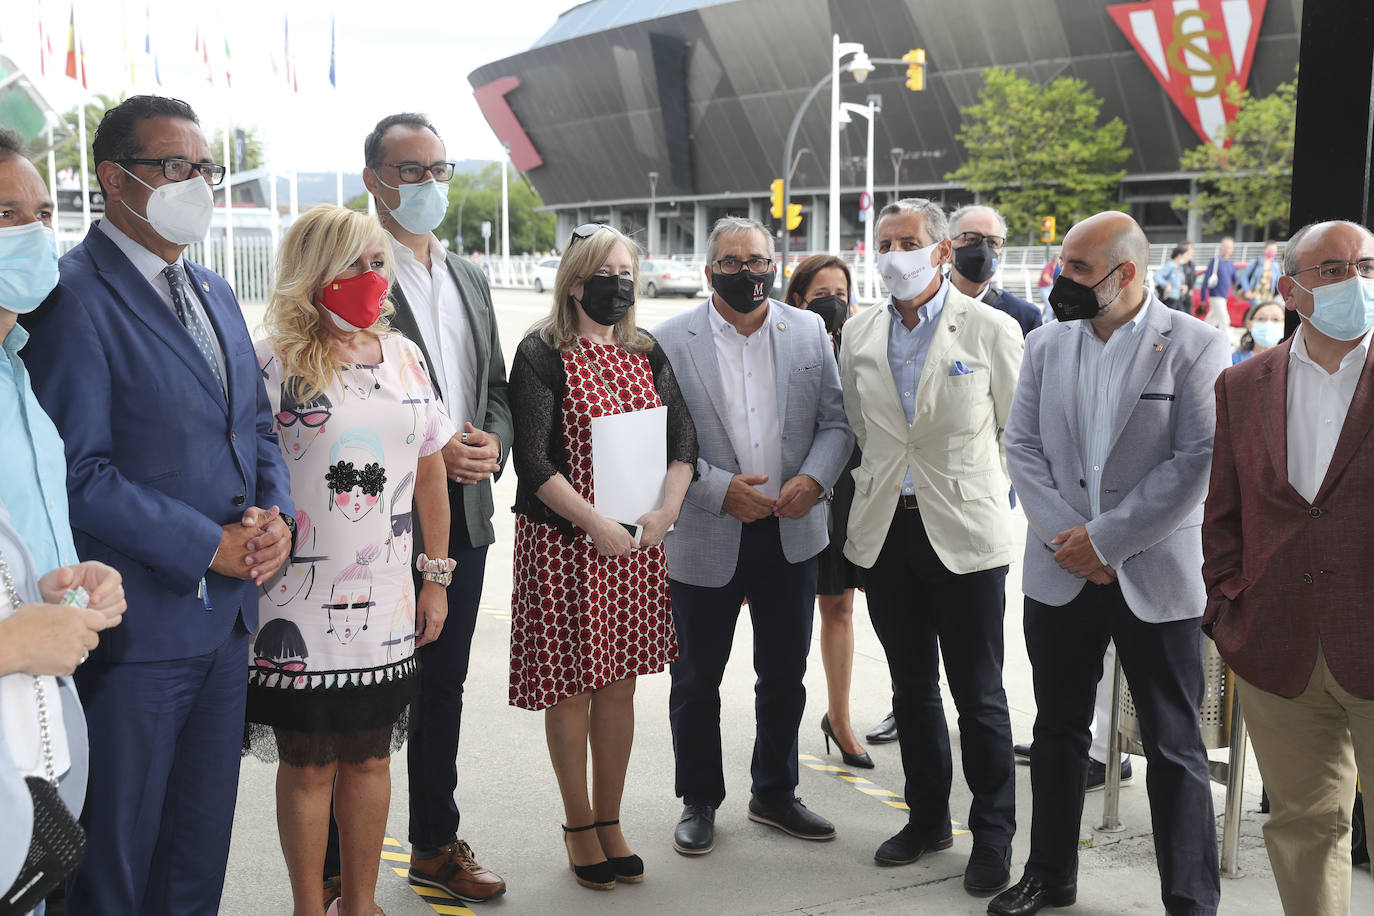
928,380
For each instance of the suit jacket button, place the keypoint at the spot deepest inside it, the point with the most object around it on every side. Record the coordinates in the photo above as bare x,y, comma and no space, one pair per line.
1307,577
1315,512
239,500
233,435
1082,483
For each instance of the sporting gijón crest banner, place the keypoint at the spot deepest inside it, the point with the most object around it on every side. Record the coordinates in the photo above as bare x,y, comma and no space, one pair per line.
1195,48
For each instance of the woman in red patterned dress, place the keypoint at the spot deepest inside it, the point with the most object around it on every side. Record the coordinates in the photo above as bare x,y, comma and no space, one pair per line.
590,610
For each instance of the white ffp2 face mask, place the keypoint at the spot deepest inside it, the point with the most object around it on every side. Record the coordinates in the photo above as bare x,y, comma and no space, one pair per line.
907,273
180,211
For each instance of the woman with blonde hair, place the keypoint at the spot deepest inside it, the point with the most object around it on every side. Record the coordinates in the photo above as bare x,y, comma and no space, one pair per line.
590,609
333,712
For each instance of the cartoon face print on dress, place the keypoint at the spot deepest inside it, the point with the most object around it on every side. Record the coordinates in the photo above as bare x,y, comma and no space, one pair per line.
402,539
418,393
359,380
357,473
300,422
350,599
398,641
297,577
279,646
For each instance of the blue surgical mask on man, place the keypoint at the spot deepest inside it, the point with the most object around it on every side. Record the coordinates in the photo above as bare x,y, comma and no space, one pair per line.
422,206
1344,310
28,266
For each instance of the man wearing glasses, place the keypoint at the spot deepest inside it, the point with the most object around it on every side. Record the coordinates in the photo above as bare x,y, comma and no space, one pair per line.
979,233
760,382
444,306
143,361
1286,542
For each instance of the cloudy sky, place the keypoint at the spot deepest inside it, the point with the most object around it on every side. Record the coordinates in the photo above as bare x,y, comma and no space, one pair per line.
388,56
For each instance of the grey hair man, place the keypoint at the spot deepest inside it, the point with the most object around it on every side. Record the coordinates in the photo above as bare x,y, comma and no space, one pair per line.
760,381
979,235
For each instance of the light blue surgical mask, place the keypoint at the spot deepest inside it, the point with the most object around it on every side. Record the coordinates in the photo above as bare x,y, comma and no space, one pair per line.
28,266
1266,333
422,205
1344,310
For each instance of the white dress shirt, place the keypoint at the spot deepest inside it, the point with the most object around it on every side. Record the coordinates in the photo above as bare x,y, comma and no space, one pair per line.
437,305
1317,404
1102,369
151,268
751,391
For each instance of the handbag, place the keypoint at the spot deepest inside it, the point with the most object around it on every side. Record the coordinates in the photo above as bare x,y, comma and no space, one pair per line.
58,843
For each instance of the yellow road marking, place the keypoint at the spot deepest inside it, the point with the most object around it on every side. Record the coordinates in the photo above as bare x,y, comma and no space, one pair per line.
867,787
448,906
390,841
396,856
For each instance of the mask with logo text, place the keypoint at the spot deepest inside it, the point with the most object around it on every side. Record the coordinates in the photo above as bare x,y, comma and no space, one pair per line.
744,290
907,273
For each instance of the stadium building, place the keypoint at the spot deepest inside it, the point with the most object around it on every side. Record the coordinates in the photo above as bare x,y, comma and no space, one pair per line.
676,112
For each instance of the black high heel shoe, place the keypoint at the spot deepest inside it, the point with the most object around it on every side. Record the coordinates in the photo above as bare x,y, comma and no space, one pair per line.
598,876
860,760
629,869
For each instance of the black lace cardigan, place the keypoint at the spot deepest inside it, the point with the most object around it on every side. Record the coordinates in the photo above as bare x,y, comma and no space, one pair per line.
536,393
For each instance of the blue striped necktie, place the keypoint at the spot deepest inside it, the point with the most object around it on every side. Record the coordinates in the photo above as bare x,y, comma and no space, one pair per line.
181,297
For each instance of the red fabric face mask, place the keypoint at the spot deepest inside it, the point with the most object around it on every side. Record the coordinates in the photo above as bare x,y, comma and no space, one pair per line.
357,301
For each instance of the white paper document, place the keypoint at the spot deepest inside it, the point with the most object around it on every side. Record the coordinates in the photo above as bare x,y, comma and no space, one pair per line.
630,462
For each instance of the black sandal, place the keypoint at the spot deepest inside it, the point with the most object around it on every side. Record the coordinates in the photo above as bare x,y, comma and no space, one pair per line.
598,876
629,869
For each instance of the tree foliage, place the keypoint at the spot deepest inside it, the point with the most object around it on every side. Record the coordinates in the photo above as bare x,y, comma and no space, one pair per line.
476,196
1250,180
1036,151
67,153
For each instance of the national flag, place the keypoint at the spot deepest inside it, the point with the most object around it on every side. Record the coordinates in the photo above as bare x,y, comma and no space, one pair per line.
286,53
331,53
76,53
228,77
44,44
148,41
203,49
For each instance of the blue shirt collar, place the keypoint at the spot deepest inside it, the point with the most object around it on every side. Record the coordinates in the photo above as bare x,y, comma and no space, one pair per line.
15,340
927,312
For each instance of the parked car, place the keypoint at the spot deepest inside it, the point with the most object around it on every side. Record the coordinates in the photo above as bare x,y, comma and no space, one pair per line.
544,273
669,278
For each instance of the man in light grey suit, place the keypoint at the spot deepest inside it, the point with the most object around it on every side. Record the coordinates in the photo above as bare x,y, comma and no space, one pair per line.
761,382
1109,446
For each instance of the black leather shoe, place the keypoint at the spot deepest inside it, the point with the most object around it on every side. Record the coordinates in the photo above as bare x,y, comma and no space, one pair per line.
989,869
885,732
1022,752
860,760
696,831
792,818
908,846
1030,895
1097,775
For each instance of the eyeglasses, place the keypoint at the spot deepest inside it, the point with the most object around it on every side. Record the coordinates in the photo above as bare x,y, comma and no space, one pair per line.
412,172
731,264
1339,270
995,242
174,168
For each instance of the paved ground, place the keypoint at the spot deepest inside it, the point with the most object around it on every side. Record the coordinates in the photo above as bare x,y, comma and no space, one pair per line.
512,812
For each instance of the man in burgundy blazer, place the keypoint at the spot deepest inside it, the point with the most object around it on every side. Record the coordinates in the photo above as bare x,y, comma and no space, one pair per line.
1288,540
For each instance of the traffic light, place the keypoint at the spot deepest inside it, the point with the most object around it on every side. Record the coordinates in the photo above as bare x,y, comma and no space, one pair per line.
793,210
916,69
1047,229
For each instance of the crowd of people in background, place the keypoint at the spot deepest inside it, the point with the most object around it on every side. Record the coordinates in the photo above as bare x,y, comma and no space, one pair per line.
214,546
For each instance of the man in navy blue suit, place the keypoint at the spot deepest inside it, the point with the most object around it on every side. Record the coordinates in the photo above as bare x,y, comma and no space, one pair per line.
175,479
979,234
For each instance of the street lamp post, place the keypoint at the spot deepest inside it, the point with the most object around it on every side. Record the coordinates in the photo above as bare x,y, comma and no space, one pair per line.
870,112
860,67
505,216
653,214
896,153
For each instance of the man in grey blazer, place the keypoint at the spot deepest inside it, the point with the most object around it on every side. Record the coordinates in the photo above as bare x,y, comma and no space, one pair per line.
1109,446
760,380
444,307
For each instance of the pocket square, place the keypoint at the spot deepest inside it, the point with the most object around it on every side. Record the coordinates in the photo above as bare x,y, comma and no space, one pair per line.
959,369
1156,396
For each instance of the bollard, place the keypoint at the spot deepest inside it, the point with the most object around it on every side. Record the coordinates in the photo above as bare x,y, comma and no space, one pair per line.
1235,783
1111,794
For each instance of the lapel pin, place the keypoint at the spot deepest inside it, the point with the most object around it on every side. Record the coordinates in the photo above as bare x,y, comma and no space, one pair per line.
1159,348
952,329
205,285
782,326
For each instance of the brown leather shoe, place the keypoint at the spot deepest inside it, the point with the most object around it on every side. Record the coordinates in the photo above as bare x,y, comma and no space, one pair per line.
456,872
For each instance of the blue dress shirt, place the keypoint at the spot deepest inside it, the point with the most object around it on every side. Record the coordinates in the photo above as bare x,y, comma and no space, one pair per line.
33,466
906,357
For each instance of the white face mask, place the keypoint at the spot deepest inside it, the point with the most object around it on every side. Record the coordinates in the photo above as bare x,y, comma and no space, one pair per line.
907,273
180,211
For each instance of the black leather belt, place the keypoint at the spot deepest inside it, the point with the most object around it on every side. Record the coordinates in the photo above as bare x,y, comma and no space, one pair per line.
906,501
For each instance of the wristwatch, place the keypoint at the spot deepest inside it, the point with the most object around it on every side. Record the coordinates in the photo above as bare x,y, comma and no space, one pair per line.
442,579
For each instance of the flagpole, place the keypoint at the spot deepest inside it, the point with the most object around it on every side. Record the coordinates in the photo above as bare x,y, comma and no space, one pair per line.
228,199
81,124
272,203
52,179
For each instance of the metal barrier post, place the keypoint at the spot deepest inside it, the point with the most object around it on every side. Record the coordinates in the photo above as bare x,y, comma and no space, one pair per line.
1111,795
1235,782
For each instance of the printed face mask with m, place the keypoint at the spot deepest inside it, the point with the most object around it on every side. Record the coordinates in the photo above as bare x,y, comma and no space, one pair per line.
907,273
1072,301
743,290
28,266
422,205
179,211
1344,310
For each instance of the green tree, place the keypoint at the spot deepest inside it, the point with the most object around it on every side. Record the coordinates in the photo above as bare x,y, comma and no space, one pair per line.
476,196
254,148
66,153
1249,180
1036,151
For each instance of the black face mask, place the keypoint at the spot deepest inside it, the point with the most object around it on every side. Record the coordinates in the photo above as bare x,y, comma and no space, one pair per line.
975,262
1073,301
832,309
605,300
743,291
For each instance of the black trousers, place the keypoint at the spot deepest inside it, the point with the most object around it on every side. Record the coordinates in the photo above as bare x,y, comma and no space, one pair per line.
436,715
1163,663
921,610
781,596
